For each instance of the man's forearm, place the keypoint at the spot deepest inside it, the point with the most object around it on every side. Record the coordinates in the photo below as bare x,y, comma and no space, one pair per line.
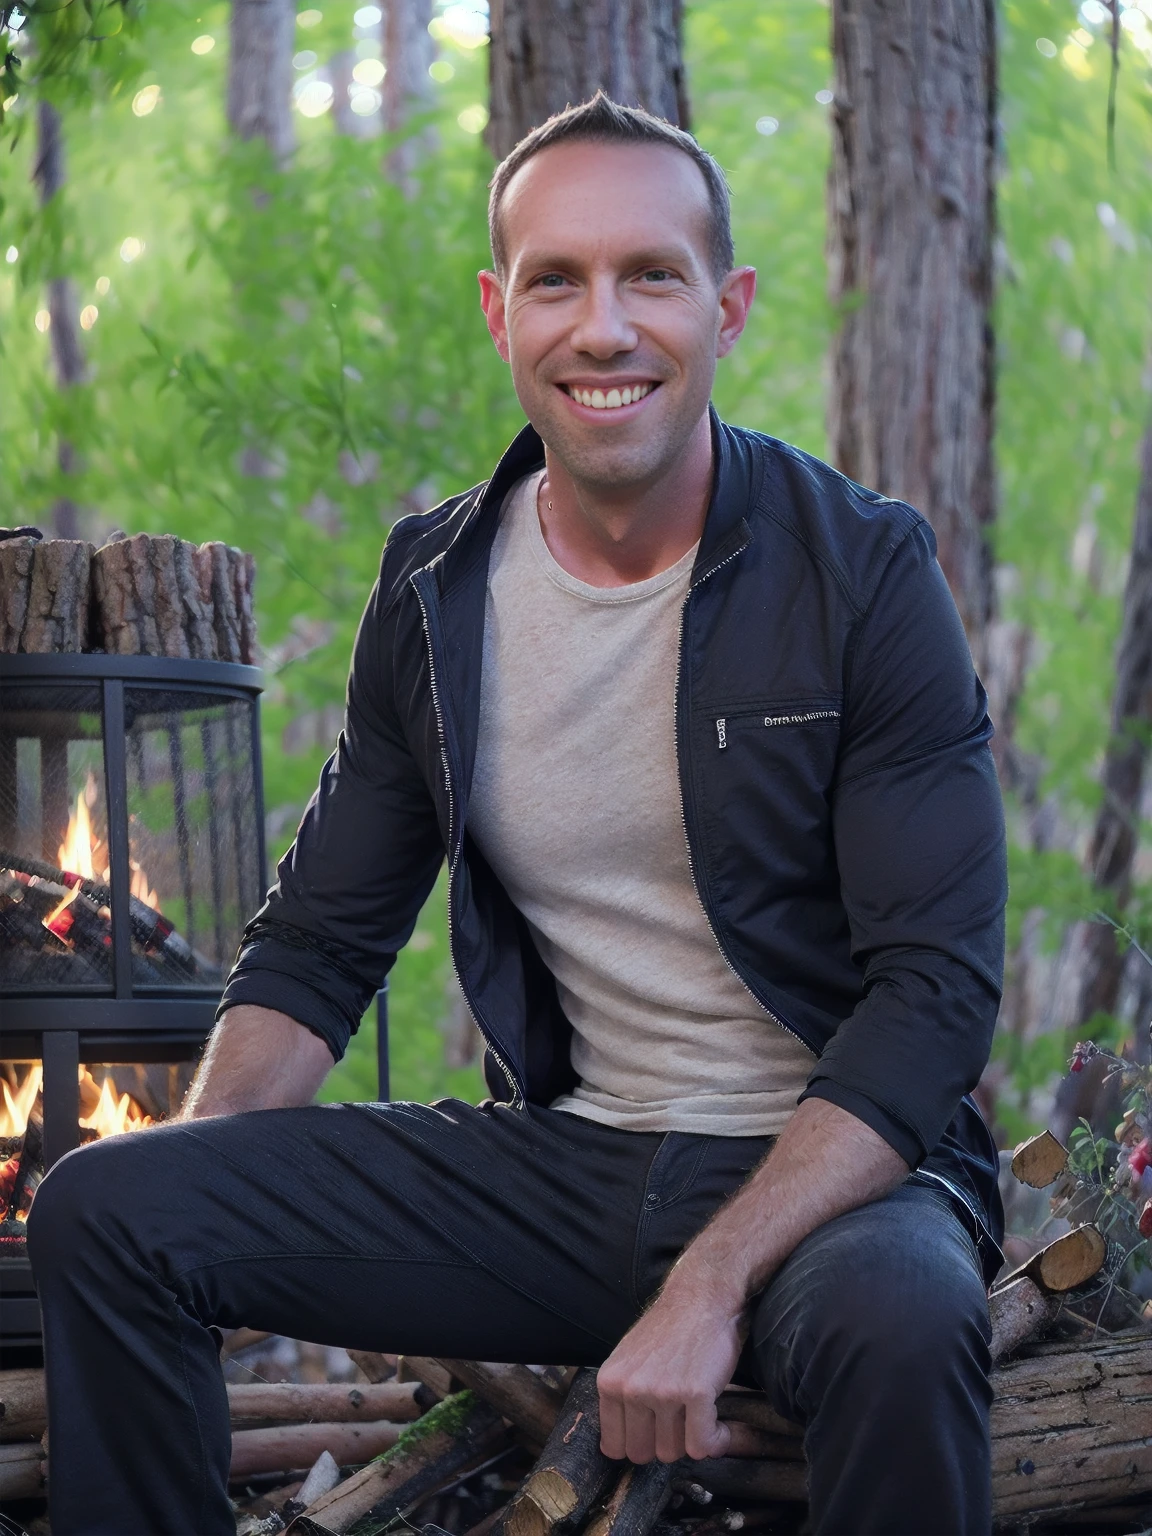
658,1388
257,1058
825,1162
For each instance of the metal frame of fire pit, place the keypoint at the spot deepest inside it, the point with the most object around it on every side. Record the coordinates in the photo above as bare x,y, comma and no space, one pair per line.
62,1030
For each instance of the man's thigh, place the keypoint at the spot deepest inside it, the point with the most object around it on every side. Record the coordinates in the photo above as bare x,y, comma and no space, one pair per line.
894,1286
455,1228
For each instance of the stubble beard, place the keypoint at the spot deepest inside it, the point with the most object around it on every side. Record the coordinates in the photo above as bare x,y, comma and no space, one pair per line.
638,458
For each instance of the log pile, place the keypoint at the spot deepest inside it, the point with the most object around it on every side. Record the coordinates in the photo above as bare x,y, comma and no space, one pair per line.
1069,1432
148,595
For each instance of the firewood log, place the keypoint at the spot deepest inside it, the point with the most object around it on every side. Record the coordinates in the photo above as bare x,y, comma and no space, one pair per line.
457,1434
150,599
288,1447
286,1402
635,1503
433,1373
219,577
24,1409
376,1366
1070,1426
753,1408
572,1471
1018,1310
57,613
1070,1261
732,1477
15,584
23,1406
517,1393
1040,1160
22,1470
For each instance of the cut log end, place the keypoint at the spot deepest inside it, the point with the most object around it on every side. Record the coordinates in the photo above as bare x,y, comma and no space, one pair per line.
1071,1260
1040,1160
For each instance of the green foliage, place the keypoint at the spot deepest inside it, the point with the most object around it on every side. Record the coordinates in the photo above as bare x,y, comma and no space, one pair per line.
294,357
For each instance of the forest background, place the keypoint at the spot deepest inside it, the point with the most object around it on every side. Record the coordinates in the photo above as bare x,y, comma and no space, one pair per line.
286,352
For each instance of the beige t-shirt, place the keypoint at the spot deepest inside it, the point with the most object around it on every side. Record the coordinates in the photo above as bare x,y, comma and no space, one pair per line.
575,803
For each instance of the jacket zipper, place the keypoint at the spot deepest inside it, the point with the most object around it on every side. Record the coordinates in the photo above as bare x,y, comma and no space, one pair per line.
804,719
455,847
721,729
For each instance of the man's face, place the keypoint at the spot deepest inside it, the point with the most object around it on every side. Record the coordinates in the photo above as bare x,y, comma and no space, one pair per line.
608,312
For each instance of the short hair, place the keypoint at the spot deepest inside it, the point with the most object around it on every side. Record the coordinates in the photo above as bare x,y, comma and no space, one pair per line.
604,121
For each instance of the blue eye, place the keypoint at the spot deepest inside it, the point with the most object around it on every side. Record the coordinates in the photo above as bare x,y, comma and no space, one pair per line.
551,280
657,274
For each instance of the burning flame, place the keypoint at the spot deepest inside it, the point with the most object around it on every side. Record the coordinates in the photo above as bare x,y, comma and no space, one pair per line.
77,855
79,845
111,1114
17,1106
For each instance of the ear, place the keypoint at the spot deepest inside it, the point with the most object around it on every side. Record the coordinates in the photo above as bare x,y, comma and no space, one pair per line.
492,303
736,294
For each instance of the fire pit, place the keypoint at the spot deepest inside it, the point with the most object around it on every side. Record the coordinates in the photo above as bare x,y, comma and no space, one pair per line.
131,856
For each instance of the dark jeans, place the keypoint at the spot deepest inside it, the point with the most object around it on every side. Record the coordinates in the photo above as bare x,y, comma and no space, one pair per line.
484,1233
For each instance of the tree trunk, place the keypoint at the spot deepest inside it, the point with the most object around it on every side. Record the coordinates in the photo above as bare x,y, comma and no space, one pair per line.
547,54
910,226
1115,835
261,39
407,88
63,311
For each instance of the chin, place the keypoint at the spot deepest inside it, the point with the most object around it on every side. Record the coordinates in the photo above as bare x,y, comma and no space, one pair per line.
630,461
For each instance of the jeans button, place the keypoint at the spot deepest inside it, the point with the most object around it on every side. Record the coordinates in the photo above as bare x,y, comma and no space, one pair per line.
651,1200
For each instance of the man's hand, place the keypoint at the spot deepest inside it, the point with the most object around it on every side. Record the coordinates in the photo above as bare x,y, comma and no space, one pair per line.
658,1387
257,1059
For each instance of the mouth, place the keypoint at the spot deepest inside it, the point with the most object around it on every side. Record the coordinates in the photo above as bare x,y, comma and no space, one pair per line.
617,398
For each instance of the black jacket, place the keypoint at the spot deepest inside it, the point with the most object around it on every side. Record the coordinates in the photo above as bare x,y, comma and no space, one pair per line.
842,813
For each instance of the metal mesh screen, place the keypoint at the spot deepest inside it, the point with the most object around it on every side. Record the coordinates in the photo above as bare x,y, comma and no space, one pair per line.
192,831
53,812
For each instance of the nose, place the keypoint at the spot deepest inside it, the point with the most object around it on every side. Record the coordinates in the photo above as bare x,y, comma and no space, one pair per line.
603,327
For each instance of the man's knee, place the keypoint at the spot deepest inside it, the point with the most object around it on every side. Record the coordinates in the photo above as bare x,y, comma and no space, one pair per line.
84,1197
897,1298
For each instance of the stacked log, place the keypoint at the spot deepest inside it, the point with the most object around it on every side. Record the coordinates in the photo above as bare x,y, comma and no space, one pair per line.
148,595
1069,1432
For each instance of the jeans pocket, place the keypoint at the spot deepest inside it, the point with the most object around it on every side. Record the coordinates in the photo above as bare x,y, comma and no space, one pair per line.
688,1180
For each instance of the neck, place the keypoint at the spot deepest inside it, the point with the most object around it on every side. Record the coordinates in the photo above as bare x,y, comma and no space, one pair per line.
613,536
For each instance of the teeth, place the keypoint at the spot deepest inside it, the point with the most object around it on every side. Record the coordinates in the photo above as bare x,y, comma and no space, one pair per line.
599,401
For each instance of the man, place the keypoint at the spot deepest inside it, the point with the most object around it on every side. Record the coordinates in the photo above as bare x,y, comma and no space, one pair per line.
694,722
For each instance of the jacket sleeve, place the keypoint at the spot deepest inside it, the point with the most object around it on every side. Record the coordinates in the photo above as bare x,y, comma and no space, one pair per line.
350,889
919,830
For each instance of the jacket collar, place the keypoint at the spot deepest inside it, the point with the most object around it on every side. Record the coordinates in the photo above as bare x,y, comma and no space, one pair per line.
736,477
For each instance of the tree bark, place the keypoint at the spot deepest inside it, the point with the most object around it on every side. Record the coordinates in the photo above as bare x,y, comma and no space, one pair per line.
48,172
407,88
635,1503
911,216
1115,835
56,616
571,1473
547,54
261,38
295,1447
453,1436
515,1392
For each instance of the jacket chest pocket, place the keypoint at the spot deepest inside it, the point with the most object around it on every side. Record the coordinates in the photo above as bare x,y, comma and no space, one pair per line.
819,715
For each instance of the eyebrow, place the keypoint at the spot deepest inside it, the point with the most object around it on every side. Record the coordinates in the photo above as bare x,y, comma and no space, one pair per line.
549,261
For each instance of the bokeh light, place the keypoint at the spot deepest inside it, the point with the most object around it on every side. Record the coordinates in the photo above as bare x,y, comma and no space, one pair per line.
473,119
204,44
89,316
131,248
368,72
146,100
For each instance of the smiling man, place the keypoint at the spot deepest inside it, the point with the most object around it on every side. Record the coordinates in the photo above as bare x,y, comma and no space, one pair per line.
693,720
